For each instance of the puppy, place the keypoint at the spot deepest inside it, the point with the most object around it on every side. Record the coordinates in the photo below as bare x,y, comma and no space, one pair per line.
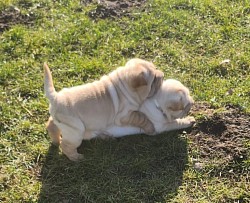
166,110
113,100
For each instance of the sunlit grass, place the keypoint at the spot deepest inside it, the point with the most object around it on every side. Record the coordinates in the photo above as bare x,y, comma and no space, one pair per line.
188,40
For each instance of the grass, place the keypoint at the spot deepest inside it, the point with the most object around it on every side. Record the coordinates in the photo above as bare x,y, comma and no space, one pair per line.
187,40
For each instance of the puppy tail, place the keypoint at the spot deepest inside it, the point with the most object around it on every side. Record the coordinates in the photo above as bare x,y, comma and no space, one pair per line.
48,84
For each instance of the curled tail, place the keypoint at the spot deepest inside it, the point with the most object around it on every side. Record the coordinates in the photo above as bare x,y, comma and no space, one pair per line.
48,84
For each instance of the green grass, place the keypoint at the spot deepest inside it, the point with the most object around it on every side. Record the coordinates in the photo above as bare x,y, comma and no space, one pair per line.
186,39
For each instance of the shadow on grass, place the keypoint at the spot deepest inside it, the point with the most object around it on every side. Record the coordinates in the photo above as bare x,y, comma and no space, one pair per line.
131,169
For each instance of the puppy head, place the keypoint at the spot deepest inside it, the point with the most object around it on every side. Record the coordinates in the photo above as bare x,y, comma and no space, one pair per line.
143,78
174,99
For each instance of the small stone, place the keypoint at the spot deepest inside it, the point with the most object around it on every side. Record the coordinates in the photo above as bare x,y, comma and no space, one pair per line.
230,92
198,166
226,61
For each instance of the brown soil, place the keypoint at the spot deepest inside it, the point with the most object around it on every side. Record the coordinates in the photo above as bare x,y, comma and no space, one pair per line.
221,136
12,16
105,9
114,8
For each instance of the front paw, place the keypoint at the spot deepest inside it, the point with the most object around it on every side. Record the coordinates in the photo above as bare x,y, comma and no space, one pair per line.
149,129
189,121
105,136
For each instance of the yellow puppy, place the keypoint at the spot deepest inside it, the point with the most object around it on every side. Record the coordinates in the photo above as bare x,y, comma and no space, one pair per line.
113,100
167,110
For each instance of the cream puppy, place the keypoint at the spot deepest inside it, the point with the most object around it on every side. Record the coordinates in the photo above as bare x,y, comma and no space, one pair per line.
166,110
115,99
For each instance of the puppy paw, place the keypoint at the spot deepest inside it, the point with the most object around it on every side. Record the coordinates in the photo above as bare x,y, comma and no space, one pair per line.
190,121
71,151
149,129
105,137
76,157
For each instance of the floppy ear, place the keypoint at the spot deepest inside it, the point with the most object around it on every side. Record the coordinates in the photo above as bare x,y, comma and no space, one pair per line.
139,83
138,80
157,82
176,105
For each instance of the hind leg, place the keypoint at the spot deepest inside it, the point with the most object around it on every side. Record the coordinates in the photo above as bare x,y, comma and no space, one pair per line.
69,148
72,136
140,120
53,131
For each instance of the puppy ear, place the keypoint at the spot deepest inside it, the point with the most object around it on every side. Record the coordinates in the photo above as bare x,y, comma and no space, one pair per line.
176,105
157,82
138,80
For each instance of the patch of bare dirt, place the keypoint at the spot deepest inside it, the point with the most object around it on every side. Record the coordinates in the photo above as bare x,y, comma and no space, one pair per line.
12,16
114,8
105,9
222,136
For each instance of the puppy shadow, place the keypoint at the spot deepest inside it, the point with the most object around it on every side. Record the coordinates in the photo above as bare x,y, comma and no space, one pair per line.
136,168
